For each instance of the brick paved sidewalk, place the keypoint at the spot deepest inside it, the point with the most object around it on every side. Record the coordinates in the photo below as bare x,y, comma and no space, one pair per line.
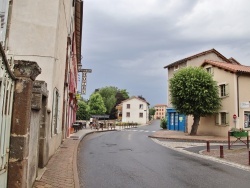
60,168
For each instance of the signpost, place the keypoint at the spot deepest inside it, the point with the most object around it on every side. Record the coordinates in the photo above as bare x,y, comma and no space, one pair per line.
84,79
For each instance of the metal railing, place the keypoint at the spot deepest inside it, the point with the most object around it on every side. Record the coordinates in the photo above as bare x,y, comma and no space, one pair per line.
7,82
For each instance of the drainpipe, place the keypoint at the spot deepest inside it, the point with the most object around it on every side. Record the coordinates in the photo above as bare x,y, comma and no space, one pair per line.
238,102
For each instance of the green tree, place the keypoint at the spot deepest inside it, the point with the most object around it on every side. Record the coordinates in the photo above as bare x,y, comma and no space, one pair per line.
120,96
151,113
108,96
194,92
82,111
96,104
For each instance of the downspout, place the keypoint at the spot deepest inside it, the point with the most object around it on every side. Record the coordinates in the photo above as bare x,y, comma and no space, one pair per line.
238,98
8,25
64,129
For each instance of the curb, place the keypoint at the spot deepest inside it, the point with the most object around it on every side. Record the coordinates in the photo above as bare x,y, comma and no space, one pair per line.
186,139
75,170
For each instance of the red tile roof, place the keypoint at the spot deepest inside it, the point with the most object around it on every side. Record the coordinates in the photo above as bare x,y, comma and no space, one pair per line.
234,61
198,55
160,105
235,68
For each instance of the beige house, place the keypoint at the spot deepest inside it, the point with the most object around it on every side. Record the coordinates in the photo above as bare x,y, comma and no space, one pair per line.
135,110
233,80
160,111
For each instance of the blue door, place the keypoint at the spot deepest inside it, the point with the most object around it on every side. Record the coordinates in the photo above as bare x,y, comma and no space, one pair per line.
176,121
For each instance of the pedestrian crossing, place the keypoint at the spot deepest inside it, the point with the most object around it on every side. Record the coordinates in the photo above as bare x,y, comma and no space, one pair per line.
134,130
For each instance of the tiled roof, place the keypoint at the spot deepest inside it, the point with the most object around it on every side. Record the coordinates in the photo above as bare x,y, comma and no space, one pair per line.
198,55
228,67
160,105
134,97
234,61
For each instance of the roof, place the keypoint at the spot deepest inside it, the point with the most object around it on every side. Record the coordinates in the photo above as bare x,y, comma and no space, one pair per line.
198,55
234,61
134,97
78,30
234,68
160,105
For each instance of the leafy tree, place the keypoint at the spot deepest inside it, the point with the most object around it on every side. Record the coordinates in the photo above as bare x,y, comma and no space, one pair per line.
151,112
82,111
96,104
194,92
112,96
120,96
124,93
108,95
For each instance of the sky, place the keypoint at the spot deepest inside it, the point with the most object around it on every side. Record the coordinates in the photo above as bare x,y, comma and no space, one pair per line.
127,43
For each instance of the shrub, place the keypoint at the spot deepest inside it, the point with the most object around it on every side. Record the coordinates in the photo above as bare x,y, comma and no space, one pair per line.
163,123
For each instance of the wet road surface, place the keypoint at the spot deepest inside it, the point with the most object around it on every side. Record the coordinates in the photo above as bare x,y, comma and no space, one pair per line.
129,159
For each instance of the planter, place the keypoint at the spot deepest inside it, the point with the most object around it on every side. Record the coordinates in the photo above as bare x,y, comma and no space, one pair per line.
240,134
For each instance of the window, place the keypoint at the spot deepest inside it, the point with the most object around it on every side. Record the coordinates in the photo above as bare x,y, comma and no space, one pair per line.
141,106
222,118
128,106
141,115
55,112
210,70
176,67
246,119
223,90
128,114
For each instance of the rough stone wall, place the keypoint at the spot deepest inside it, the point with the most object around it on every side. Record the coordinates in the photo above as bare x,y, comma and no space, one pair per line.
26,72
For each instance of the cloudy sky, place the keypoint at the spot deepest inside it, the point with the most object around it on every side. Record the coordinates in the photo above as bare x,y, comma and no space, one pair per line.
128,42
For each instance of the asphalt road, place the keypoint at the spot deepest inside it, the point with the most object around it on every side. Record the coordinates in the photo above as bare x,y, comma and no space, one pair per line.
129,159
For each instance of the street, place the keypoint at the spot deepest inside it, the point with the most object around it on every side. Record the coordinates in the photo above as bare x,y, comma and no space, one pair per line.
129,159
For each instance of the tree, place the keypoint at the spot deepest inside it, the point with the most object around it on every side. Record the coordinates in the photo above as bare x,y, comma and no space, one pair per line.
82,111
108,96
194,92
120,96
151,113
96,104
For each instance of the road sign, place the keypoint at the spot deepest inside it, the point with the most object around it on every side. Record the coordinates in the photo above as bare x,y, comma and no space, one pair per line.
234,116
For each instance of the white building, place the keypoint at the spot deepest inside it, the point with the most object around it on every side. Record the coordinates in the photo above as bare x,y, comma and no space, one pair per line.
135,110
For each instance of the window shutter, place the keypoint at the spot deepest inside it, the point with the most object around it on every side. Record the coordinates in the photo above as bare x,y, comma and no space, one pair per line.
227,89
217,119
227,118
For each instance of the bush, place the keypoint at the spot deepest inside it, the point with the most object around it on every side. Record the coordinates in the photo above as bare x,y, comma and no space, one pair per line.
163,123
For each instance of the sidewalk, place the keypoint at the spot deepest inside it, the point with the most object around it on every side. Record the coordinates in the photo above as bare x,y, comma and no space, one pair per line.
238,153
61,170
